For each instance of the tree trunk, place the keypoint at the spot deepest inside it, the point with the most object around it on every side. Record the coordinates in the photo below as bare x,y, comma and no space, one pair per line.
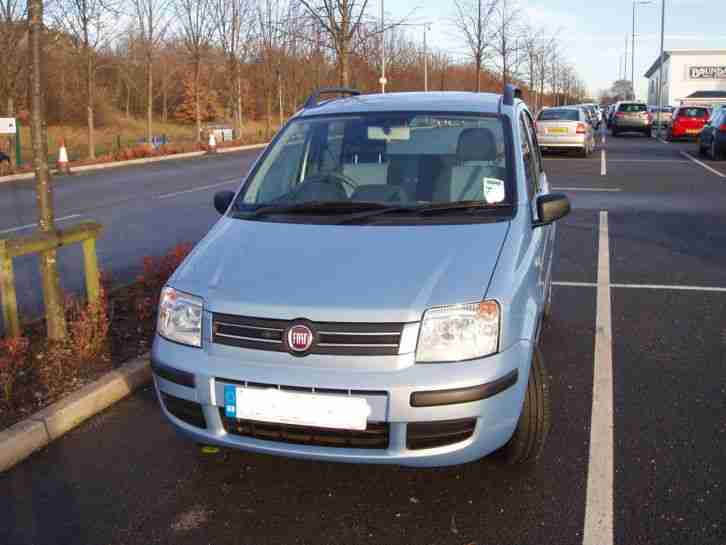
128,100
52,296
89,90
343,66
478,73
149,98
268,98
197,109
239,104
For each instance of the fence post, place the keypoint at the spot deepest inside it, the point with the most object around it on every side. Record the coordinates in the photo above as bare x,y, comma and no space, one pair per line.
7,291
90,263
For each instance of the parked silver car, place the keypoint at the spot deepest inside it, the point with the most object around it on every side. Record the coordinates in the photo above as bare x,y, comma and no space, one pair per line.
631,117
375,290
565,128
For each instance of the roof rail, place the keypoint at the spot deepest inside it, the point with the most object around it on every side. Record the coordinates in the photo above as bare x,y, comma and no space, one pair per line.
510,93
312,100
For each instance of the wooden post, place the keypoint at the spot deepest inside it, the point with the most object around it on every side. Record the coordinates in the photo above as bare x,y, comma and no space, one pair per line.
7,292
90,263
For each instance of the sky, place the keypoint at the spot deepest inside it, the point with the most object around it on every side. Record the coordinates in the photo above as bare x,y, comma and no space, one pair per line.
591,32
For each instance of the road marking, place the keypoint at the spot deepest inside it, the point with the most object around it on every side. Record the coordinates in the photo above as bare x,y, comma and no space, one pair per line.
662,287
203,188
599,500
603,164
704,165
611,189
31,225
648,161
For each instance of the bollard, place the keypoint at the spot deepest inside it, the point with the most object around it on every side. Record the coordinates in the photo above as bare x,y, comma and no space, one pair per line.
212,143
62,164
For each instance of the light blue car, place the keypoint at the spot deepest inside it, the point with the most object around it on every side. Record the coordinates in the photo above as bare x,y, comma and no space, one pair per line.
375,290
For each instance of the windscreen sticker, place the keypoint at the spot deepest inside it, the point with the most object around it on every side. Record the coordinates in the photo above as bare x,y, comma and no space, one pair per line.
493,190
230,400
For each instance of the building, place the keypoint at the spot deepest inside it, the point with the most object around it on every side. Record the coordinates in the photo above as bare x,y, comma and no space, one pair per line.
690,76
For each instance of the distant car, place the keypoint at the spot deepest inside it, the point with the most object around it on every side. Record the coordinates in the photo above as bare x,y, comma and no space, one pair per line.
688,121
661,118
712,139
631,117
565,128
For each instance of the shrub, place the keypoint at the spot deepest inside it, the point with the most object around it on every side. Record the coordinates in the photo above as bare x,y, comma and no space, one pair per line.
13,359
88,326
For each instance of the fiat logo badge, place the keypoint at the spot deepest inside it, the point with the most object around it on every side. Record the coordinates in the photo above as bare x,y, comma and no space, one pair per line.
300,338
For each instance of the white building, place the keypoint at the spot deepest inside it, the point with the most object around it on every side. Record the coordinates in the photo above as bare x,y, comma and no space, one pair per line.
690,76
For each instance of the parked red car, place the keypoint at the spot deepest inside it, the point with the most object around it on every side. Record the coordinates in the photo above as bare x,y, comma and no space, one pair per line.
688,122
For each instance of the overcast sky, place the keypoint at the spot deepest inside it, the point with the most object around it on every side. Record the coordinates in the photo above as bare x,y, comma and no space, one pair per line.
592,32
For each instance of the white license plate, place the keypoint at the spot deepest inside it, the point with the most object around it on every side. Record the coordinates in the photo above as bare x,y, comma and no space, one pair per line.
300,409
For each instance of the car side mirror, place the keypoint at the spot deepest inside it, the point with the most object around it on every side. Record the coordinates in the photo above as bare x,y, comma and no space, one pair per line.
551,207
222,200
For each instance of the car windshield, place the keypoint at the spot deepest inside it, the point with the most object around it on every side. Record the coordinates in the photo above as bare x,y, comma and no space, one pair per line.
633,108
559,115
693,112
403,162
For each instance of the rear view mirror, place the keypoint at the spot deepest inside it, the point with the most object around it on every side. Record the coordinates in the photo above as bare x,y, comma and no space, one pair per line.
389,133
551,207
222,200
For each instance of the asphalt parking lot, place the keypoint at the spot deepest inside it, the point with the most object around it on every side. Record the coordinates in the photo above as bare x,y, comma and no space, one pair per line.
635,350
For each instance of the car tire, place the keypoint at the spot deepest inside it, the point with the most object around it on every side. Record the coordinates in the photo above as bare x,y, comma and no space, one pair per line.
701,150
530,435
615,132
715,155
583,152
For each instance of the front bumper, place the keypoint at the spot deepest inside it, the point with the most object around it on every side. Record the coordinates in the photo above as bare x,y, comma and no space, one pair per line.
389,392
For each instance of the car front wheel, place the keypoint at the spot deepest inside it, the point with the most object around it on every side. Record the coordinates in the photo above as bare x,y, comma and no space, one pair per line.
715,155
530,435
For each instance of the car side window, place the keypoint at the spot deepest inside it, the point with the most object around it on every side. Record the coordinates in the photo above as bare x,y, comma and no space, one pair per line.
537,151
528,155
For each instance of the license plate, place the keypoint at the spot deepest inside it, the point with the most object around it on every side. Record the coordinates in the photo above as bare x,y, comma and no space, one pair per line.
299,409
557,130
692,131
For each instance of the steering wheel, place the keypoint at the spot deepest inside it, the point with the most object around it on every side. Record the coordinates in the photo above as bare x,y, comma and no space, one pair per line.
331,177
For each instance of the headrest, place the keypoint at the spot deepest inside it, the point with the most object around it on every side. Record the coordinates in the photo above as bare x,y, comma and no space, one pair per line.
476,145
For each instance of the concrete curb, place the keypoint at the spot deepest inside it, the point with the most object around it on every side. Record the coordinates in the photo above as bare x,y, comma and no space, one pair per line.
132,162
21,440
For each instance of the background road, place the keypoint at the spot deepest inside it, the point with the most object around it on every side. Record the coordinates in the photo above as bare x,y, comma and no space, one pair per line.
125,477
145,210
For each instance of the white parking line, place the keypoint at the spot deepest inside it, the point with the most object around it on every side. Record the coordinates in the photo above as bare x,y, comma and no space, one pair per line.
611,189
203,188
647,161
599,499
663,287
603,164
704,165
31,225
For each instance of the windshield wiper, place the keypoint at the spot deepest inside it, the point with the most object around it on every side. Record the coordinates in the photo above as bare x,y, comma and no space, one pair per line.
315,207
425,209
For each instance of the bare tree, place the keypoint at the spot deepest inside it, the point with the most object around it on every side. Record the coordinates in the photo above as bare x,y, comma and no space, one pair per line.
505,39
342,21
13,44
52,296
152,20
473,21
90,23
235,27
197,28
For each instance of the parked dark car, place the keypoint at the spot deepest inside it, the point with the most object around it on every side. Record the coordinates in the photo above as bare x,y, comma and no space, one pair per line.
712,139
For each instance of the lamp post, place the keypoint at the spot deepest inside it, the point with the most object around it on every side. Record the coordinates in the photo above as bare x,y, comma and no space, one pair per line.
383,79
660,69
632,45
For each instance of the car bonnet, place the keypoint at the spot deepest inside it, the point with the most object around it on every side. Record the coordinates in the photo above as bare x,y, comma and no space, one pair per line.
340,273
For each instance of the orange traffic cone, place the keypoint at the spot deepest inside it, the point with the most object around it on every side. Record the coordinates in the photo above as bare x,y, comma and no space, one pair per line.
62,165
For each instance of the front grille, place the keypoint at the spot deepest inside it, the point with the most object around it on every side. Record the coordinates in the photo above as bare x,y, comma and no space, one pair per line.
186,411
374,437
333,338
423,435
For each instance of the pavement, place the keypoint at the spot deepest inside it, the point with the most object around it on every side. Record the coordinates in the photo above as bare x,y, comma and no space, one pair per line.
634,350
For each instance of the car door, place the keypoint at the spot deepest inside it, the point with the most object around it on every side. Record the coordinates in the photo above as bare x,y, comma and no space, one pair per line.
537,184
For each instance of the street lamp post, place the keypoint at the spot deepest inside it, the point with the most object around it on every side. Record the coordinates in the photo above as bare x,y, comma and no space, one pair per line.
632,45
660,69
383,80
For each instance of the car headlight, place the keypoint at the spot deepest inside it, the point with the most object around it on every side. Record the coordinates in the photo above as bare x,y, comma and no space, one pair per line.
459,332
180,317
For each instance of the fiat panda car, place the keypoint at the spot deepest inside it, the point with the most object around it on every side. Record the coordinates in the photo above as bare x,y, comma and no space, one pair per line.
374,292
